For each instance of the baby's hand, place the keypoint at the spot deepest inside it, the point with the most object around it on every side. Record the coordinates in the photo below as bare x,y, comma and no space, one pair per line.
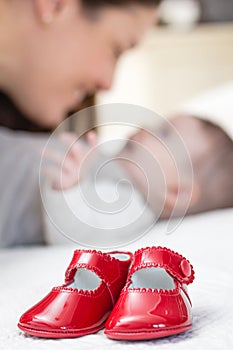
68,169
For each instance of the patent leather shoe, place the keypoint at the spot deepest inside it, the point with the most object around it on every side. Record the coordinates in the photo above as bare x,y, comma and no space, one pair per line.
154,302
82,305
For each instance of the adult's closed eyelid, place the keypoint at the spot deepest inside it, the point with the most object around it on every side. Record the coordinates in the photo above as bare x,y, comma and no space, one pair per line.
117,53
163,132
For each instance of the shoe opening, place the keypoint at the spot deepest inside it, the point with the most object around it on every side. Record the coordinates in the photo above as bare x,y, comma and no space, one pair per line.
85,279
152,277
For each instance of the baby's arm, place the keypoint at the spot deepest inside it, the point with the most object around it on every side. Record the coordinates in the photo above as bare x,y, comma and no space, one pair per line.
69,166
103,210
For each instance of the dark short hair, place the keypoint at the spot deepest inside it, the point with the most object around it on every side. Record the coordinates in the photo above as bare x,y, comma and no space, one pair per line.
102,3
216,173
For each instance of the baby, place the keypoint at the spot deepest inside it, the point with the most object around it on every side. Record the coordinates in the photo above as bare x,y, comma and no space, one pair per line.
181,167
211,156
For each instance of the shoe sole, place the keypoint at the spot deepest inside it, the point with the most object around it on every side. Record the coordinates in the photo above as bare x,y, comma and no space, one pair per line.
59,334
138,335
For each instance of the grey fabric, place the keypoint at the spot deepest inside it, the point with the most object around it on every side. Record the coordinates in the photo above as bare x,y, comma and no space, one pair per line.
20,204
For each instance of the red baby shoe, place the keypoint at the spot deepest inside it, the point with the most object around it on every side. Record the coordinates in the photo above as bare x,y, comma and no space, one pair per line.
82,305
154,302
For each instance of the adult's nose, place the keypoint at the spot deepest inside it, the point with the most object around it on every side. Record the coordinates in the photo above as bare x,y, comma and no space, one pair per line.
105,77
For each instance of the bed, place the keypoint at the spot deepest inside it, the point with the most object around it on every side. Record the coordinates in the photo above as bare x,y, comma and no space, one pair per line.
205,239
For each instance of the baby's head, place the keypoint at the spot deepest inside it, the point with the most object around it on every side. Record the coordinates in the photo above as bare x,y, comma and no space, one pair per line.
213,169
182,167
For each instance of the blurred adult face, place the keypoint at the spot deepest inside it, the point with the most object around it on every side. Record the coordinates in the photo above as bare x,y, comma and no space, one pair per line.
72,55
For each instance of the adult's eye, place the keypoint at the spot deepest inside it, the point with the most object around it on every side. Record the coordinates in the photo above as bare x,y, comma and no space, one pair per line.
117,52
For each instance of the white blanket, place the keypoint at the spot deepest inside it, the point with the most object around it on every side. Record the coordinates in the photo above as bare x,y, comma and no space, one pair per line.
27,274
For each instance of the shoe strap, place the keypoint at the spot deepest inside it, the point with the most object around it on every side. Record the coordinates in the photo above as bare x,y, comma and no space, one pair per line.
113,272
175,264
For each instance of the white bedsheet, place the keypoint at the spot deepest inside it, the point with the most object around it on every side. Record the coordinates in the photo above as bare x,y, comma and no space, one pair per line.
27,274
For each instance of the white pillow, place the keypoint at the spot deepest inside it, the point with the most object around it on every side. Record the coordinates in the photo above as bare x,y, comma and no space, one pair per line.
215,104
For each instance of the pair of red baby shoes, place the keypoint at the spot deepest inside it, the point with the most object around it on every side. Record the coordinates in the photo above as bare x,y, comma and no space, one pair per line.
134,296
